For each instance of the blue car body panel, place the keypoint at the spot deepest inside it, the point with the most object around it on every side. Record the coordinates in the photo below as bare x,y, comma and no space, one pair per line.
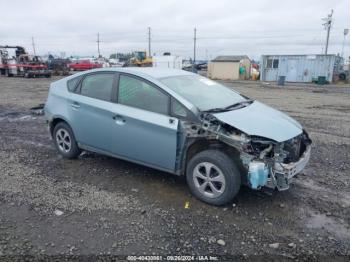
261,120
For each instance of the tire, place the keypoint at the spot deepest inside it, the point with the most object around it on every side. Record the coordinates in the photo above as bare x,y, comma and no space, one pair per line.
65,142
224,176
8,74
342,77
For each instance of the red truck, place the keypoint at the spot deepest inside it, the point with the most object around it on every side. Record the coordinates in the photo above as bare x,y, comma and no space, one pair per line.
82,65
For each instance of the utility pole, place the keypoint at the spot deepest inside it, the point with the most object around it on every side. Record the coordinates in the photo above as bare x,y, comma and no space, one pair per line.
33,46
98,44
149,42
327,25
194,48
346,31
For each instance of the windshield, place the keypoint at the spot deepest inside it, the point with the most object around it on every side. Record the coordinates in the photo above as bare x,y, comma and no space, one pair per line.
204,93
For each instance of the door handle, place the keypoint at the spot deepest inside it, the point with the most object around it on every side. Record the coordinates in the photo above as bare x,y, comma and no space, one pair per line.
171,120
119,119
75,105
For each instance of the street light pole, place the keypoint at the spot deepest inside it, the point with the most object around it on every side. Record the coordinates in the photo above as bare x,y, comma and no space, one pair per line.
346,31
194,49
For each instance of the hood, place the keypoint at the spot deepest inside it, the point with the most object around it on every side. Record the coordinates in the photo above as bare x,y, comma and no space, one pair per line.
258,119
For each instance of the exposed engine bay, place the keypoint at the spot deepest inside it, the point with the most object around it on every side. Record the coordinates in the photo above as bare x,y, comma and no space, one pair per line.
267,163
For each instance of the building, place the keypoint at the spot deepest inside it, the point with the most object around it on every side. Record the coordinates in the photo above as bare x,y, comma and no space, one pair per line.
299,68
229,68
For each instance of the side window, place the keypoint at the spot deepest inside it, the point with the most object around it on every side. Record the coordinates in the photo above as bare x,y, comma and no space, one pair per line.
178,109
98,86
269,63
137,93
72,84
272,63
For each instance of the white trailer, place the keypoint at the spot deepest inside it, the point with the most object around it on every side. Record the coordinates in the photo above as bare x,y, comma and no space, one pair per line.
167,61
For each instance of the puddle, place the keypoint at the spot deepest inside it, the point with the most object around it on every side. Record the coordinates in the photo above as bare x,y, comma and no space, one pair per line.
19,118
11,115
321,221
335,196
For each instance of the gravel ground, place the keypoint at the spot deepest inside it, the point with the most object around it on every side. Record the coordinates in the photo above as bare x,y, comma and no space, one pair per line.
98,205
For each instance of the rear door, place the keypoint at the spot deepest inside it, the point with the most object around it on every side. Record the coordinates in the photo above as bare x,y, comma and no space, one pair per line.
143,129
91,110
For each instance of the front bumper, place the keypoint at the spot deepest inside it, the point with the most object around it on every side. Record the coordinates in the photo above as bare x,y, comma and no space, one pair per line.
278,176
291,169
282,173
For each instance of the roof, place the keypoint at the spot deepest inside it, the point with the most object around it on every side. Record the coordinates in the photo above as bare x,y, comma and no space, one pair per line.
302,55
230,58
158,72
152,72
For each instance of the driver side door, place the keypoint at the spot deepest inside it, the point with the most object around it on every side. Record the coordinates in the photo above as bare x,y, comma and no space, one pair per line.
144,131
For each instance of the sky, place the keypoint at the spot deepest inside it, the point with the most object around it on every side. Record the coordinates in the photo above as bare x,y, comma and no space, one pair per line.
224,27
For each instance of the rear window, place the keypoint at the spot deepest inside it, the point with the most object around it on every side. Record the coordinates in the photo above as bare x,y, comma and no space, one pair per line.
98,86
72,84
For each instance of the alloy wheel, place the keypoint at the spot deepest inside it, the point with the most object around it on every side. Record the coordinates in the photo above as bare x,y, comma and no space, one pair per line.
209,179
63,140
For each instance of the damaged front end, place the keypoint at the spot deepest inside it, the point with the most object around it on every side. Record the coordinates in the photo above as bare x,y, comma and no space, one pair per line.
266,162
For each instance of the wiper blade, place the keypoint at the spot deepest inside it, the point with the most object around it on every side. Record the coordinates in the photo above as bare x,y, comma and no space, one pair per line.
216,110
239,103
230,107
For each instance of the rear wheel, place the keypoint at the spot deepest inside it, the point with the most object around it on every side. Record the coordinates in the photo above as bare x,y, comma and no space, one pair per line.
8,74
342,76
27,75
65,141
213,177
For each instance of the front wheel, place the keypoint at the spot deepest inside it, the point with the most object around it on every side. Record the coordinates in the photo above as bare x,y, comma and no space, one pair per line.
65,141
213,177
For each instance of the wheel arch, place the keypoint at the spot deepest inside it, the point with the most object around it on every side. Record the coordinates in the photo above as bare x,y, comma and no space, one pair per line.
55,120
202,144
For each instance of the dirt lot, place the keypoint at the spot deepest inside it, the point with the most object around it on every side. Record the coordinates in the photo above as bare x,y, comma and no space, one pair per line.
97,205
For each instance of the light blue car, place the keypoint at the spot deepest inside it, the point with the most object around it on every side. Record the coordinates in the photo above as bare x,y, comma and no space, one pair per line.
181,123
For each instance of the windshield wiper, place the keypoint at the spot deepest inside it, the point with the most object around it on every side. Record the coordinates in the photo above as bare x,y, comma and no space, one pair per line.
230,107
241,103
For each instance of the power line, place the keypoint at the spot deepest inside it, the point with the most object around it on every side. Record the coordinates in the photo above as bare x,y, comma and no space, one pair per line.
149,42
33,44
98,44
328,25
194,45
346,31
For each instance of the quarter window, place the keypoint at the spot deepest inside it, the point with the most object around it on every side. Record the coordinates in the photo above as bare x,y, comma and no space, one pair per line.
178,109
138,93
98,86
72,84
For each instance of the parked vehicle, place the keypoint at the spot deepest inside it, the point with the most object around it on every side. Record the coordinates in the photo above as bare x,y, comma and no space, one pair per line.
140,59
58,66
181,123
82,65
22,64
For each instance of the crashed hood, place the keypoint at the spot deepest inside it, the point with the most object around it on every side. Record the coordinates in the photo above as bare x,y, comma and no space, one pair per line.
261,120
